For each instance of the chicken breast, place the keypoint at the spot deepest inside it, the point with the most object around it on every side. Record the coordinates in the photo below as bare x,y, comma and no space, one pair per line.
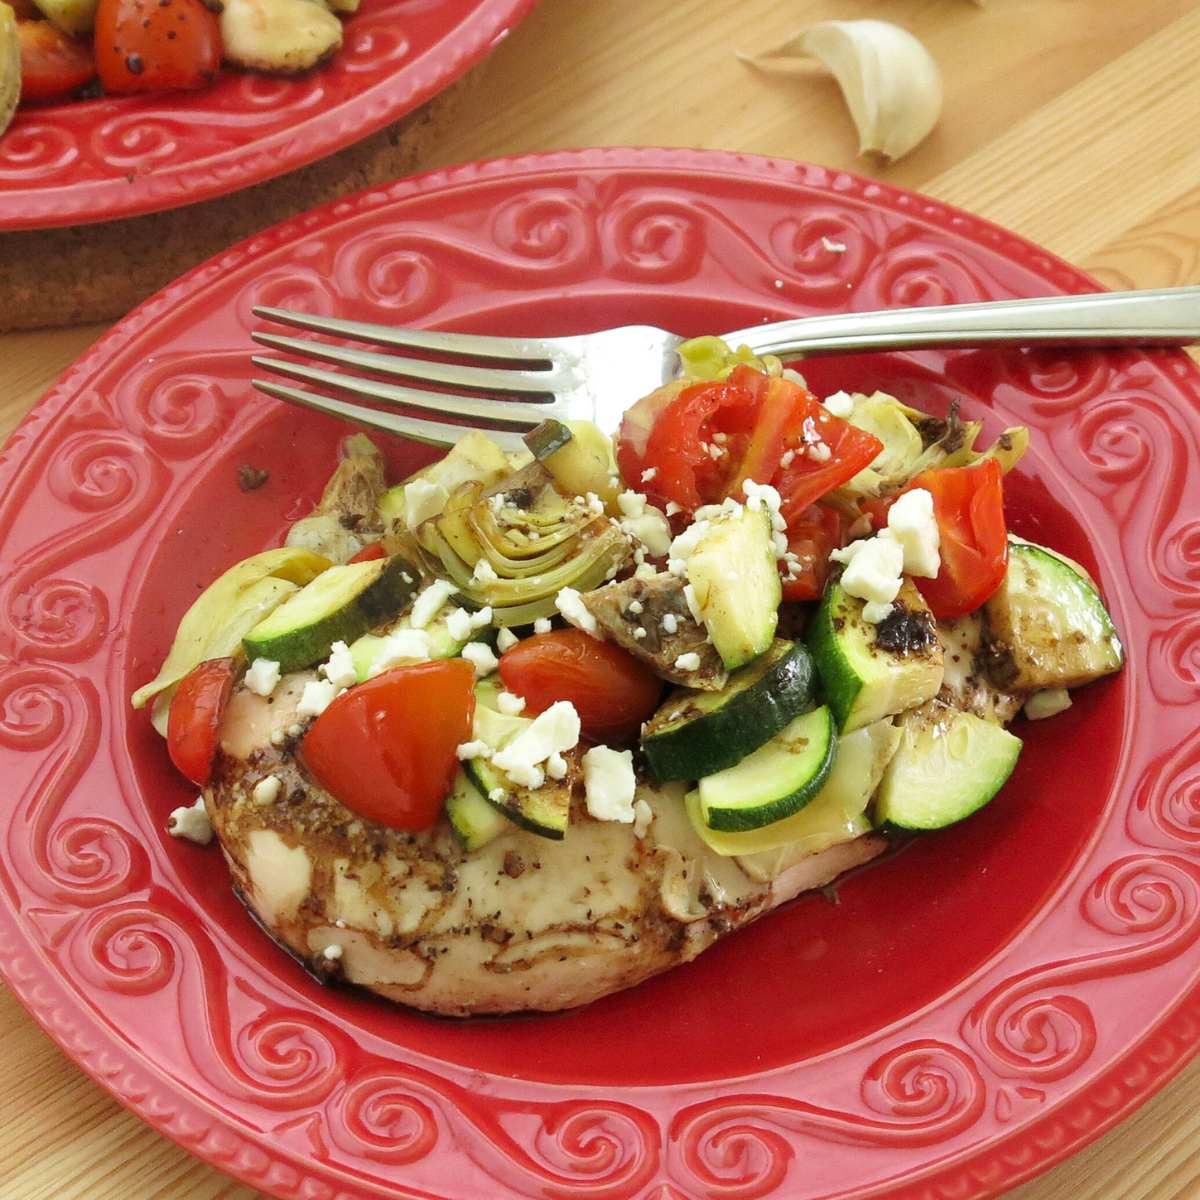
524,924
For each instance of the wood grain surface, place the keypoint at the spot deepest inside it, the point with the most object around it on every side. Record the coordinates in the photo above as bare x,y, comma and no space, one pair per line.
1071,121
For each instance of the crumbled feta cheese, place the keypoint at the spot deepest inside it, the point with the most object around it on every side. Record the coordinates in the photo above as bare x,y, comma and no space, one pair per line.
278,737
571,605
689,596
429,602
684,546
820,452
510,703
295,730
506,640
473,749
458,625
631,504
673,508
670,623
643,817
481,657
263,676
267,789
423,500
874,574
533,535
497,794
651,528
541,625
340,923
841,404
332,952
340,669
648,474
484,572
554,731
688,662
911,522
639,633
645,571
832,246
787,458
636,607
556,766
609,784
191,822
762,495
405,645
594,503
720,438
317,696
1047,703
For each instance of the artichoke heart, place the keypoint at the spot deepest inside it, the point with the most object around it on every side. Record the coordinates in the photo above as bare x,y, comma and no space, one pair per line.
534,542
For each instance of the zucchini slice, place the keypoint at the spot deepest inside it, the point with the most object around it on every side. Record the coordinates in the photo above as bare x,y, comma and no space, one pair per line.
1047,626
545,811
737,585
474,821
774,782
578,455
948,766
339,605
837,813
700,733
875,671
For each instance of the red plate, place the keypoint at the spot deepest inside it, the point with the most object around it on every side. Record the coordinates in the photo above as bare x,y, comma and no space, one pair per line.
970,1011
121,156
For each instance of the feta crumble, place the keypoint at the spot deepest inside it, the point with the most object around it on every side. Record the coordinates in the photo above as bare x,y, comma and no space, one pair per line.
643,818
639,633
481,657
651,528
670,623
332,952
473,749
340,669
191,822
594,503
556,767
841,404
430,600
317,696
912,523
554,731
405,645
423,500
673,508
648,474
506,640
688,662
484,572
689,596
873,573
645,571
263,676
458,625
636,607
510,703
609,784
541,625
631,504
571,605
267,789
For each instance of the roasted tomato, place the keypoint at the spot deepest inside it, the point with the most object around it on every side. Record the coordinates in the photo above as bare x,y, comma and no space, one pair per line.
156,45
52,64
968,503
612,691
386,748
194,721
369,552
811,537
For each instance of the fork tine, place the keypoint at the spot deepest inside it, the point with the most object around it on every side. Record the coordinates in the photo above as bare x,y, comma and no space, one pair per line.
466,345
434,433
478,408
487,379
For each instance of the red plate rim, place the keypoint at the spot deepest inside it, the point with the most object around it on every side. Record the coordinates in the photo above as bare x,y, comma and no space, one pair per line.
1140,899
75,164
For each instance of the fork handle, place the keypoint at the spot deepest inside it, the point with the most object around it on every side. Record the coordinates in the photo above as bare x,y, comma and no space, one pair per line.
1155,317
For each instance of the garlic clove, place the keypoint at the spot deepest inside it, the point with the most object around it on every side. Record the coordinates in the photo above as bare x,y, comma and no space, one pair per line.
888,79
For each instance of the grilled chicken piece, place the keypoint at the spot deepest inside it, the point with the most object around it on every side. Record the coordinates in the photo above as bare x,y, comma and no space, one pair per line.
345,519
623,608
525,924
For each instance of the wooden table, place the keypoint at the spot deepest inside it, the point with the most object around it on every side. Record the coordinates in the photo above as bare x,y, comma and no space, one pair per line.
1072,122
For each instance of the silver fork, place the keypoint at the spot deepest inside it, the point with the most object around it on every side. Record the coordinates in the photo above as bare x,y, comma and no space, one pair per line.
508,385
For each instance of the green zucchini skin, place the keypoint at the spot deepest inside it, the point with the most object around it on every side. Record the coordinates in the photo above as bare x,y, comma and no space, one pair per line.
774,782
746,715
473,820
296,637
545,811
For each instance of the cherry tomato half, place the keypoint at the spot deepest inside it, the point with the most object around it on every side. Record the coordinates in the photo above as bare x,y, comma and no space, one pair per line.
156,45
386,748
968,503
811,537
194,720
612,691
52,64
